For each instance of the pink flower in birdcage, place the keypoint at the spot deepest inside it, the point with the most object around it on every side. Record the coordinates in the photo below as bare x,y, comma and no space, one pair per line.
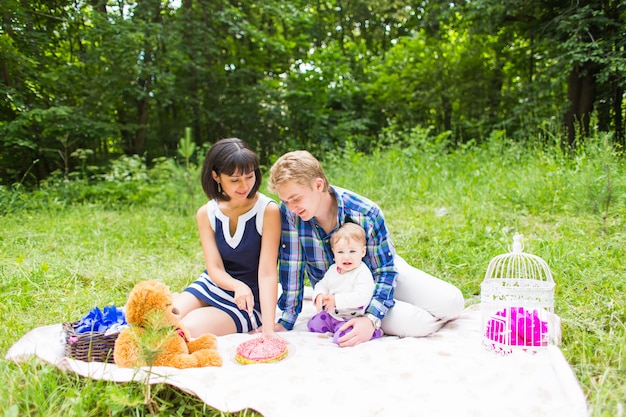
516,326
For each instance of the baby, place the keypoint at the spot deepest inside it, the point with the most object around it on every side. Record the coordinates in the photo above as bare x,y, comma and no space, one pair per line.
347,286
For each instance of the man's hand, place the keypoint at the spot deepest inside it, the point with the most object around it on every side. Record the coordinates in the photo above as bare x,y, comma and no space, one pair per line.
362,331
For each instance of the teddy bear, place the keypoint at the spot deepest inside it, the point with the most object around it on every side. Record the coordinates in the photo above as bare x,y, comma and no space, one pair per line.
156,336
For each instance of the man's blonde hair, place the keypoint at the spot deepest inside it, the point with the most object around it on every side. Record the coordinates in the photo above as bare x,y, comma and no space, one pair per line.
298,166
349,231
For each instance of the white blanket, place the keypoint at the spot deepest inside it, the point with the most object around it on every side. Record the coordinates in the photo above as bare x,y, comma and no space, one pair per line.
446,374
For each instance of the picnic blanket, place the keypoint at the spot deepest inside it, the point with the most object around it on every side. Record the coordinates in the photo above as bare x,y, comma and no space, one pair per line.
446,374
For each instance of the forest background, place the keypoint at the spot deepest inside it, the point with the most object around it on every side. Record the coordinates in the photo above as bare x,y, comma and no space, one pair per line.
83,82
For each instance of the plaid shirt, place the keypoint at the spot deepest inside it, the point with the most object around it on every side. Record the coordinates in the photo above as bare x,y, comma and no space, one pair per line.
305,248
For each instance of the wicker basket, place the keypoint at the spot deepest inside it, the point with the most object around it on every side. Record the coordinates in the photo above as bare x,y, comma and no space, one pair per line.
517,303
89,346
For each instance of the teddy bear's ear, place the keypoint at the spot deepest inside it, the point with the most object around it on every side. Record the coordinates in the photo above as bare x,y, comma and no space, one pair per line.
146,296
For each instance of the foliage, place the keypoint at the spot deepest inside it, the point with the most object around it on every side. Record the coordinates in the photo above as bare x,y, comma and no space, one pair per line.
420,82
127,77
126,182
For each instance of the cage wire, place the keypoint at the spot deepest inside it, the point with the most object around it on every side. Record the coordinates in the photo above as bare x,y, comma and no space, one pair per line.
517,303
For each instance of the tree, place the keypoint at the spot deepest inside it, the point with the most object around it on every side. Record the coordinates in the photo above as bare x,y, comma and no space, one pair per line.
583,46
41,117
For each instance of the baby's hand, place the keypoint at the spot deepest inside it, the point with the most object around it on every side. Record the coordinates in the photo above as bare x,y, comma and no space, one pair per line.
329,302
319,302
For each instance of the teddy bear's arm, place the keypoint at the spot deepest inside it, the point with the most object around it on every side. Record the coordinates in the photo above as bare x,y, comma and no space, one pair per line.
126,351
175,353
208,357
204,357
206,341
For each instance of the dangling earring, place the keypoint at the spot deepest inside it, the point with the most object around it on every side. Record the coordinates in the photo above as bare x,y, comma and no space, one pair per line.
219,188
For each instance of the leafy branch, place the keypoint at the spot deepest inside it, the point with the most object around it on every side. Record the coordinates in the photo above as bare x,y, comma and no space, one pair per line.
151,341
186,149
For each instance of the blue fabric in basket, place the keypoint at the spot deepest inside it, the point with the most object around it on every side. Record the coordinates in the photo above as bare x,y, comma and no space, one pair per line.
100,321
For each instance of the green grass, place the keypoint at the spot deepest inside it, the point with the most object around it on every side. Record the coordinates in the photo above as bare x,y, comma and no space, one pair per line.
66,249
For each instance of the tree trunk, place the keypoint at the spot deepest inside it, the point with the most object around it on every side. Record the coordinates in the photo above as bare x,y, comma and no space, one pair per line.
581,95
100,6
446,105
618,117
143,111
151,13
6,75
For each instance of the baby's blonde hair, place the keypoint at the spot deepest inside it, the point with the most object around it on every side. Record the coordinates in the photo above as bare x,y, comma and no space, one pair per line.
298,166
349,231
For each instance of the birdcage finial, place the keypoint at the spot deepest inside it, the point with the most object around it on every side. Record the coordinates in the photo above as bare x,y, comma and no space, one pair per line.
518,244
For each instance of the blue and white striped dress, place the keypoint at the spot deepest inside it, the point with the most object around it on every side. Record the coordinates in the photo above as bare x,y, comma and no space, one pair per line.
240,255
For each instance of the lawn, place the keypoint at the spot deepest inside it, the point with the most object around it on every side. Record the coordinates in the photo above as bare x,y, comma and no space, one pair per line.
70,246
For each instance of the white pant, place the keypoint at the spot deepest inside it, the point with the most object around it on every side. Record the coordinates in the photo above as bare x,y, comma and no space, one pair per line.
423,303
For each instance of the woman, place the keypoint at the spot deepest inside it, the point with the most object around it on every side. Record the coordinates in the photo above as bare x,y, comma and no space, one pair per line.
240,231
406,301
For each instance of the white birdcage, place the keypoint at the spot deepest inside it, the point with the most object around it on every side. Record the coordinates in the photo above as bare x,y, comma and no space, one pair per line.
517,303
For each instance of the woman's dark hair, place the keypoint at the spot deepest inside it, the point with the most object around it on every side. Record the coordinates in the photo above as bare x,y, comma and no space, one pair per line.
229,156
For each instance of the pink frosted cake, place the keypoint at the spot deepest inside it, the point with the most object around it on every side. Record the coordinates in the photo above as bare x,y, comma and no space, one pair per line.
261,350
